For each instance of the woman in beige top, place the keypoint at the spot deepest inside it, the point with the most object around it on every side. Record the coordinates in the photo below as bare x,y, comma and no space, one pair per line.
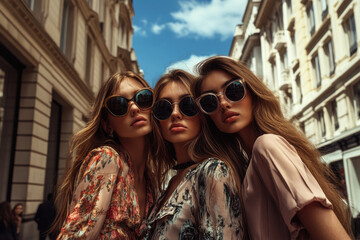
286,192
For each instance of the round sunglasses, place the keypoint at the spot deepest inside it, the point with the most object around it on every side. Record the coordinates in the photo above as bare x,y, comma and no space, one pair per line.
119,105
234,91
163,108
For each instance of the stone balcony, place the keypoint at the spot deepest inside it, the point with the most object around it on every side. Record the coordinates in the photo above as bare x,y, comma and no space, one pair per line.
279,41
284,81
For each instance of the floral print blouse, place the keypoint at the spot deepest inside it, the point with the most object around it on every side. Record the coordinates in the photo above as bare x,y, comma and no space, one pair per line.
105,204
205,205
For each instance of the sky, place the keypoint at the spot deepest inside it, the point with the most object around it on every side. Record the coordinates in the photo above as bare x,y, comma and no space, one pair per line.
172,34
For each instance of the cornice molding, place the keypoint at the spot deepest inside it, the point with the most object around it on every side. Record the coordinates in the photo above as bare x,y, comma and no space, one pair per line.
33,27
266,7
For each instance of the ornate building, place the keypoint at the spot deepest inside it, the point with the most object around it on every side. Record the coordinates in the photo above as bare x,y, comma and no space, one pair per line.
311,60
54,55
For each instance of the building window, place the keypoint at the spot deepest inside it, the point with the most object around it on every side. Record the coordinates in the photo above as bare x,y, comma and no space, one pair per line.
299,95
35,7
10,77
329,52
293,43
334,115
30,3
274,75
316,69
88,60
284,61
289,7
311,19
321,123
67,28
357,100
350,30
324,8
279,21
102,9
338,169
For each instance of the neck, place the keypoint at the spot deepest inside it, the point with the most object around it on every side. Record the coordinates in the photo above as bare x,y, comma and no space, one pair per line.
181,153
136,150
248,137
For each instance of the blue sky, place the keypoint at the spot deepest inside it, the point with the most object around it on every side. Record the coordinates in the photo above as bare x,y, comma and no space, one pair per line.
180,33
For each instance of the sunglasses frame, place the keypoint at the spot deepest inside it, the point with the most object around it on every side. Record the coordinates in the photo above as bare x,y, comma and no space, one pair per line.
222,93
172,108
129,100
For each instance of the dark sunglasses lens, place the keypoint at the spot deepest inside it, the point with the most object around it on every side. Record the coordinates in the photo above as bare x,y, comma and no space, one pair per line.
188,107
162,109
144,99
209,103
235,91
117,105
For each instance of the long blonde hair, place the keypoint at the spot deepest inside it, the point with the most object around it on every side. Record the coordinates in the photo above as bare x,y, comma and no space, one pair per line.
268,118
93,136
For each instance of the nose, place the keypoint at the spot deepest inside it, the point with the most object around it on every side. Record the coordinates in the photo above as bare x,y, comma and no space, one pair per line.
224,104
176,114
133,108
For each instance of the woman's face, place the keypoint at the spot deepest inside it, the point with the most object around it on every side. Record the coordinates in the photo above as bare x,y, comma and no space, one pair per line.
230,117
18,210
136,122
178,128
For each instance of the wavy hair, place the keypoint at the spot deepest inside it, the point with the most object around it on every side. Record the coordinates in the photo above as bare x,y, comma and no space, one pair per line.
164,150
93,136
268,118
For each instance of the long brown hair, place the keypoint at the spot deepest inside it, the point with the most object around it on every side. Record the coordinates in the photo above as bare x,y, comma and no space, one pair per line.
204,145
268,118
164,150
6,215
93,136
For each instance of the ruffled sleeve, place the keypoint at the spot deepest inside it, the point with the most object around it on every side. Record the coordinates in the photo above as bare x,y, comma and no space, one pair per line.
286,177
92,195
219,202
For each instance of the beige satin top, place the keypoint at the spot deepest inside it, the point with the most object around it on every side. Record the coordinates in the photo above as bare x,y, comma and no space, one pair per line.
277,185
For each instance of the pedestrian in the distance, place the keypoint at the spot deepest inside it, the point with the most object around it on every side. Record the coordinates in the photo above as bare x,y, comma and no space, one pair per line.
7,222
45,216
18,213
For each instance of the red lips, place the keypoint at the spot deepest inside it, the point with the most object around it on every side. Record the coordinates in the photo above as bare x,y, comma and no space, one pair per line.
137,119
228,114
176,125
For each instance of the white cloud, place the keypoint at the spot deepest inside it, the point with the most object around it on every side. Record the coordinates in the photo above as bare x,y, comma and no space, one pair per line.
139,30
188,64
157,28
144,21
218,17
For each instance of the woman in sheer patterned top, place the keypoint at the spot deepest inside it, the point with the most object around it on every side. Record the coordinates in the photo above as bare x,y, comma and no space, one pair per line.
201,200
286,190
109,189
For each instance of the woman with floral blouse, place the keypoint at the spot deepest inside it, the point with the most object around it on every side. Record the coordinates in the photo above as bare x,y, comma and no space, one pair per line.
109,188
202,199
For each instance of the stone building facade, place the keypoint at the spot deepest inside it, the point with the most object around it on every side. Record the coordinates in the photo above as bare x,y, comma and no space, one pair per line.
54,55
310,58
